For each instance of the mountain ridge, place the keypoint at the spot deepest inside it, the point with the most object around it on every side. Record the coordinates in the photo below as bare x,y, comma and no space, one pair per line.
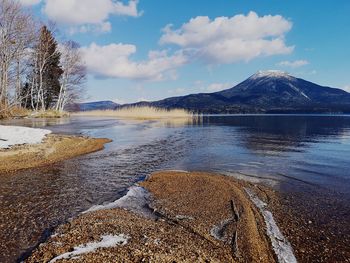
96,105
269,91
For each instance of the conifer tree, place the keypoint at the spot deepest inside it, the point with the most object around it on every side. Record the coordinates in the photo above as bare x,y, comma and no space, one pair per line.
46,71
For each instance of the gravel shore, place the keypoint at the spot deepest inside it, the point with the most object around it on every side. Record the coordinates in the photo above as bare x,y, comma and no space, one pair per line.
198,217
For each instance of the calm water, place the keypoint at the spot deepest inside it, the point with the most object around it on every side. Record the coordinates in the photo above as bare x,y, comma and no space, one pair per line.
291,153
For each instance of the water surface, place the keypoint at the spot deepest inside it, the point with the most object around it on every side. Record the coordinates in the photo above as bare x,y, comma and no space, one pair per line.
292,152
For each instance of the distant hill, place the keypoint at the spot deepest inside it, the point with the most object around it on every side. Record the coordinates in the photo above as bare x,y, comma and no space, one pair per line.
97,105
265,92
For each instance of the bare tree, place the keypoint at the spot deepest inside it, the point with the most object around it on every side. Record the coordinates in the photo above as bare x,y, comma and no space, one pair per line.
16,38
32,72
74,75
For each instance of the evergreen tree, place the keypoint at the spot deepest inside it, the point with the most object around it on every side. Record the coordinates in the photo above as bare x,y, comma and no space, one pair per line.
46,72
52,71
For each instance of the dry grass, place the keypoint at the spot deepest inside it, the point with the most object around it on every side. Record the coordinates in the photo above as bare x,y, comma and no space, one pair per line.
48,114
144,113
13,112
19,112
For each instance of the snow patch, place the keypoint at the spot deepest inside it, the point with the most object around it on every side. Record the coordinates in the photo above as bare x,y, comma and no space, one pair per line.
136,200
271,74
299,91
106,242
280,244
16,135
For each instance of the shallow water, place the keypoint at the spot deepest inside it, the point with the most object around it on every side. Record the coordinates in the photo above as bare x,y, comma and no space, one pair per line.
288,152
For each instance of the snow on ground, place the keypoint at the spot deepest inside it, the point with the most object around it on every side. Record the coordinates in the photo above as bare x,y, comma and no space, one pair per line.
271,74
15,135
280,244
106,242
136,200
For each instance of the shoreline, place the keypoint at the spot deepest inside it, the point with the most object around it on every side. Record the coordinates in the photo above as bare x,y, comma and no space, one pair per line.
54,148
195,216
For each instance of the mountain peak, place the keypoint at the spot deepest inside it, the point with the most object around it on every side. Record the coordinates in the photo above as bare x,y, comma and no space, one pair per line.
269,91
271,74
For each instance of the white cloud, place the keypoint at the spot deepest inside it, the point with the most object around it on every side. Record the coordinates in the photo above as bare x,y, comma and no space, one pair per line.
95,28
231,39
218,87
127,10
200,85
293,64
214,87
119,101
177,91
29,2
313,72
88,14
114,61
143,99
306,73
347,88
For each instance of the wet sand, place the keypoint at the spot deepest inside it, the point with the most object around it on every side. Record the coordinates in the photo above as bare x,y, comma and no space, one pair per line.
53,149
199,217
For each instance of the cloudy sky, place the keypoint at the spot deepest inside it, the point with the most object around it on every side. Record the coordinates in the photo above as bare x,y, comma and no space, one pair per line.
152,49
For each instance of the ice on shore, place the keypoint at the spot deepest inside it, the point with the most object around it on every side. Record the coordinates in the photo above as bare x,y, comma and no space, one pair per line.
15,135
136,200
280,244
106,242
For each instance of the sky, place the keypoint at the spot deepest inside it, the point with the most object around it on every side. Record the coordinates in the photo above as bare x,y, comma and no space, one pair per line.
152,49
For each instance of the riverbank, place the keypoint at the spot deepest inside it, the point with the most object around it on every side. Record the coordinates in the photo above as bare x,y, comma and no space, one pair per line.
53,148
191,217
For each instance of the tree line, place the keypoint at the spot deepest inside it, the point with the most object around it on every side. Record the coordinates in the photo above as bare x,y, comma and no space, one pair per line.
37,71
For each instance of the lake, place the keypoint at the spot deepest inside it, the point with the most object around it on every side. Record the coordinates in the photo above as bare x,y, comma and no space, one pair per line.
293,153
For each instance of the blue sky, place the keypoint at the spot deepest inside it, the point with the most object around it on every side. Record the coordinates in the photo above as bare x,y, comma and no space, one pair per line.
152,49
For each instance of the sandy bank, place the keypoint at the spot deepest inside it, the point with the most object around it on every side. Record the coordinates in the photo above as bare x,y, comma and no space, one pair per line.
54,148
200,218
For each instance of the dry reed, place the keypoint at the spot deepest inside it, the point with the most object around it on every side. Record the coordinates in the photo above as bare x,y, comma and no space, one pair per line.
142,112
13,112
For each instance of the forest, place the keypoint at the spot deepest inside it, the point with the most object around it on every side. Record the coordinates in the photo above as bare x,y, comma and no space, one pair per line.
38,72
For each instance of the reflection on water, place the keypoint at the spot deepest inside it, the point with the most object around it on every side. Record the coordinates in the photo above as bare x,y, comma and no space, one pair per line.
291,151
36,123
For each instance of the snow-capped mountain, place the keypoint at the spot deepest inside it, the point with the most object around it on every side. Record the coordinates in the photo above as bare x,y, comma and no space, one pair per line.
271,74
266,91
279,89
